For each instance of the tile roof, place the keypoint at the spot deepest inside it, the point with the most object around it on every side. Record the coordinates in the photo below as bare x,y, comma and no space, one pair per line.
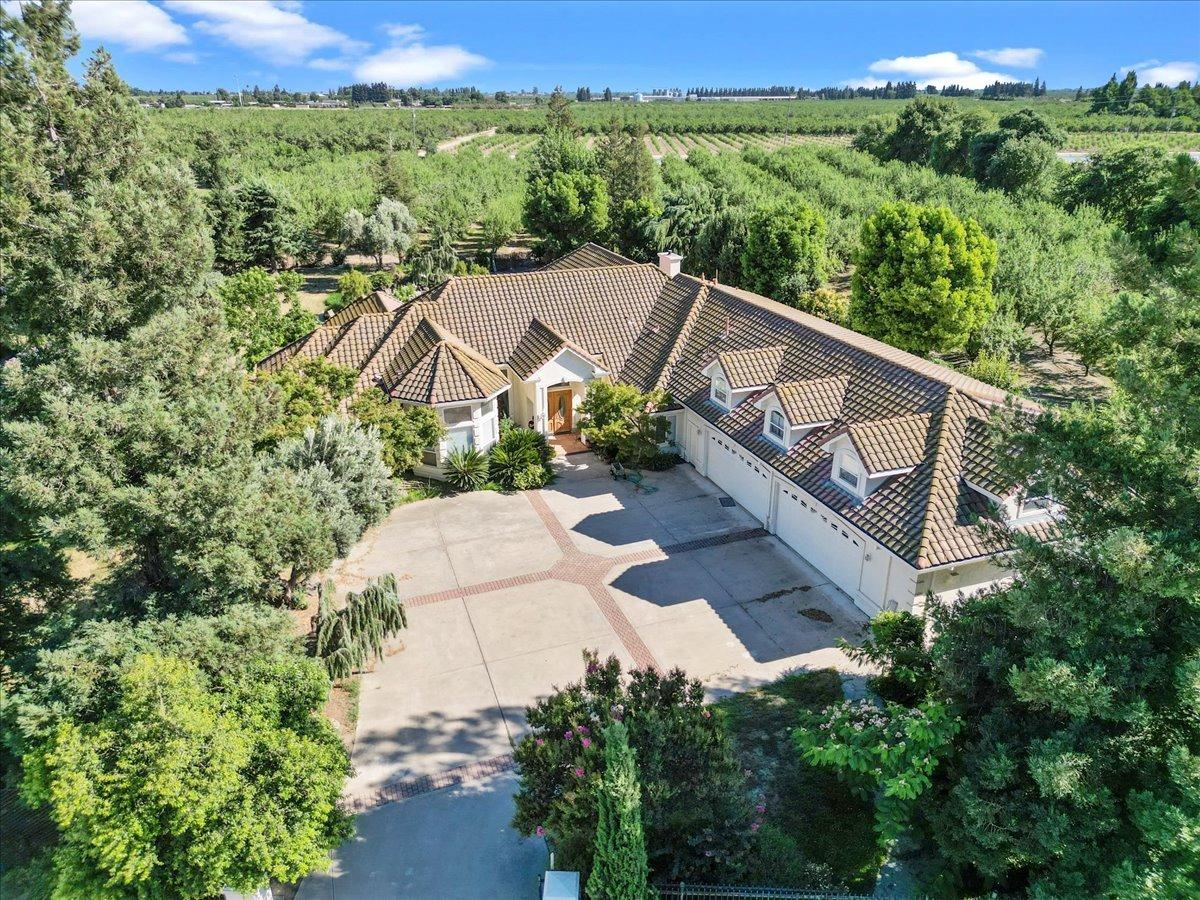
435,367
980,464
588,256
900,410
886,445
538,346
811,401
380,301
754,367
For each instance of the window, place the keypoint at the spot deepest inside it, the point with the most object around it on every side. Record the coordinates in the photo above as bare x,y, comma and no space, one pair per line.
847,476
776,425
429,456
461,438
720,391
488,408
456,415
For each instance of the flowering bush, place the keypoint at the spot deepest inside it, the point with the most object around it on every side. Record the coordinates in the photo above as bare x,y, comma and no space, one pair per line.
696,811
890,751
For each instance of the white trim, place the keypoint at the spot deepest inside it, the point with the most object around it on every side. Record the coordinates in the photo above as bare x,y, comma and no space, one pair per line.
597,370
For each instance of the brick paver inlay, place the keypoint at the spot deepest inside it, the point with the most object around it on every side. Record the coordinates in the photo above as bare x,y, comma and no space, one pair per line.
590,571
423,784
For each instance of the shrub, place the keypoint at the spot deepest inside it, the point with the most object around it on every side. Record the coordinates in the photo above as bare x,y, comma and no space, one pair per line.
826,303
619,868
353,286
520,461
466,468
995,370
897,648
696,811
405,430
382,280
619,423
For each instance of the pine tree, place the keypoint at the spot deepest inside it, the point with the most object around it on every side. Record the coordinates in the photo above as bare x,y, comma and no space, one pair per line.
619,866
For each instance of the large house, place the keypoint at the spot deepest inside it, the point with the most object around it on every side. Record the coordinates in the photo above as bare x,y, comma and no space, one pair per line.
872,463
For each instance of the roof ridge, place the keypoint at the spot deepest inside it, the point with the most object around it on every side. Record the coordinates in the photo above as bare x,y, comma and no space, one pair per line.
632,264
685,332
935,458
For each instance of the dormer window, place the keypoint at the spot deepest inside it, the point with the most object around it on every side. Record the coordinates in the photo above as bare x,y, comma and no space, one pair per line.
776,426
849,477
720,391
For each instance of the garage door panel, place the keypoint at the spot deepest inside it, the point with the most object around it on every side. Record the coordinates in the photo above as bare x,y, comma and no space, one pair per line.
740,474
822,539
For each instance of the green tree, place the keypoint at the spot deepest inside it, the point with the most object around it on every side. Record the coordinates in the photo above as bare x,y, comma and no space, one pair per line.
499,225
634,189
390,229
140,452
302,393
785,254
180,783
404,430
1074,773
353,455
267,226
98,231
619,867
1018,156
252,311
695,809
917,127
566,200
353,285
922,278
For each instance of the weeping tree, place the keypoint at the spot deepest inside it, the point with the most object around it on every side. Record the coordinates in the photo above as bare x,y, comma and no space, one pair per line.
348,638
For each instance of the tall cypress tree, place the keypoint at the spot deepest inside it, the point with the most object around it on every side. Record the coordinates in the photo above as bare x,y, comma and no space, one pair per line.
619,866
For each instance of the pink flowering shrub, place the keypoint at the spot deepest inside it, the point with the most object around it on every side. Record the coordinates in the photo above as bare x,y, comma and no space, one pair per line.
697,812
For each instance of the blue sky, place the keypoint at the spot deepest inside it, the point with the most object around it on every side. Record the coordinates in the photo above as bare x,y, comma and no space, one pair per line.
203,44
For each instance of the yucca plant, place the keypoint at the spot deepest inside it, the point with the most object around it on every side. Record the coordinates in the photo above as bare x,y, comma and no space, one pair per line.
521,460
466,469
347,639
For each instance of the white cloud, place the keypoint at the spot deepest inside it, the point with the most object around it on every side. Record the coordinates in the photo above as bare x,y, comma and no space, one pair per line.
187,57
330,64
277,31
937,69
403,34
136,24
417,64
933,65
1022,57
1153,71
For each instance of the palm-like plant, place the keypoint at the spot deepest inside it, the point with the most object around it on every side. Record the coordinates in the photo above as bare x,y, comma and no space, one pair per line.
466,469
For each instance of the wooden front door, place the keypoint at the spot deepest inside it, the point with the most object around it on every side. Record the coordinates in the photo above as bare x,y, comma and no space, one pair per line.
559,402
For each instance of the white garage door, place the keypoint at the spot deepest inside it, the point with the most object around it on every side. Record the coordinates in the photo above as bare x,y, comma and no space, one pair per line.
740,474
823,539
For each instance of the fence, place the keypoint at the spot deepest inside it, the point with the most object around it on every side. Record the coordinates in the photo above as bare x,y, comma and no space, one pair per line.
745,892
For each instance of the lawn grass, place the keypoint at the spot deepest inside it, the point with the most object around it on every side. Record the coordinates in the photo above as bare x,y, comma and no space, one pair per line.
815,832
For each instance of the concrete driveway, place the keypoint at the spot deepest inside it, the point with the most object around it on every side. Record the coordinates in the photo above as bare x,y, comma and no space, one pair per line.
504,593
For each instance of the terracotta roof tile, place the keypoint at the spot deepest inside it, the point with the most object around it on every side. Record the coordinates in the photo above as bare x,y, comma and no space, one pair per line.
589,256
540,344
812,401
886,445
753,367
435,367
380,301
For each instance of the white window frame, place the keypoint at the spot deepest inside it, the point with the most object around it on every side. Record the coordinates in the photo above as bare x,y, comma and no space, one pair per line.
845,462
782,425
720,386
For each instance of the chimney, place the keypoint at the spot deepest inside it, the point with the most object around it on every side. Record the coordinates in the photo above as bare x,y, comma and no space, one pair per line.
669,263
